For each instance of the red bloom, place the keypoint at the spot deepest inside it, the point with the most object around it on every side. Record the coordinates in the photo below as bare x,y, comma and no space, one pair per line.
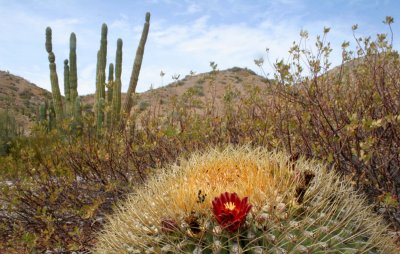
229,211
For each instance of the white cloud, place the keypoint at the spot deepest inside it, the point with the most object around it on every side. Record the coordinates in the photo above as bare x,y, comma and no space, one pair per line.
209,31
193,8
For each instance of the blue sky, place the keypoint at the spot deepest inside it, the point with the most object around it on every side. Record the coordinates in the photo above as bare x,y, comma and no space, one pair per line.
184,35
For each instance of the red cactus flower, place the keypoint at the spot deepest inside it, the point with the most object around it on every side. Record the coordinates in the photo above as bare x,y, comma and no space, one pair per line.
230,211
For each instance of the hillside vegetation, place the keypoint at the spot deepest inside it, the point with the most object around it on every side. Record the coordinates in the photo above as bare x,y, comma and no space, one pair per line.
58,184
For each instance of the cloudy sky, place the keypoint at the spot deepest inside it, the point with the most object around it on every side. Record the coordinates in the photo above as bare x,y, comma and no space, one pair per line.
184,35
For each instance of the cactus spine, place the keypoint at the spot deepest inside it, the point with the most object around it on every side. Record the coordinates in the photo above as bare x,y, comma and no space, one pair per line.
73,76
116,100
296,208
55,89
136,66
110,85
67,88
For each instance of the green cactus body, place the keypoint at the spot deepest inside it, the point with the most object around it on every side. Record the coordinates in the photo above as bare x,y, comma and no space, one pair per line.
136,66
73,76
110,86
48,45
101,75
42,112
77,109
116,100
55,89
67,94
52,117
97,93
102,59
245,200
77,116
110,83
100,114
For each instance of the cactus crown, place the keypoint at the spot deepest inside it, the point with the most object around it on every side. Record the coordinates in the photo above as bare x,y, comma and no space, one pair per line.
72,41
104,30
49,47
110,72
118,59
147,17
296,208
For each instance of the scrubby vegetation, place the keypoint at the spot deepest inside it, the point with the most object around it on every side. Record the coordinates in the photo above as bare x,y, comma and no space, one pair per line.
57,185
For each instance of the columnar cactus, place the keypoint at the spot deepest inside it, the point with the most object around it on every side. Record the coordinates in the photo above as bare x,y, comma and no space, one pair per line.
110,82
101,74
136,66
52,117
55,89
102,60
77,114
116,100
42,112
111,103
73,75
110,86
67,94
244,200
77,109
100,114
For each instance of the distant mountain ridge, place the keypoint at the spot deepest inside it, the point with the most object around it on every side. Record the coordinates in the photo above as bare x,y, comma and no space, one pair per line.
22,98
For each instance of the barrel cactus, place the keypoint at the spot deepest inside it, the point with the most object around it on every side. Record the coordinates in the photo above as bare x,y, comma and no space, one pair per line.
245,200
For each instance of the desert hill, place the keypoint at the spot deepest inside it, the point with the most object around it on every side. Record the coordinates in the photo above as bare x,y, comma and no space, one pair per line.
22,98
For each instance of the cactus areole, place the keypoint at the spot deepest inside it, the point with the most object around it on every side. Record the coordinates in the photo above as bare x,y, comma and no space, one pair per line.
230,211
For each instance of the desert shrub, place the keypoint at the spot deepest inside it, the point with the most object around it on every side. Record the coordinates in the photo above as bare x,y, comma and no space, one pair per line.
349,116
200,80
143,105
56,186
26,94
196,90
